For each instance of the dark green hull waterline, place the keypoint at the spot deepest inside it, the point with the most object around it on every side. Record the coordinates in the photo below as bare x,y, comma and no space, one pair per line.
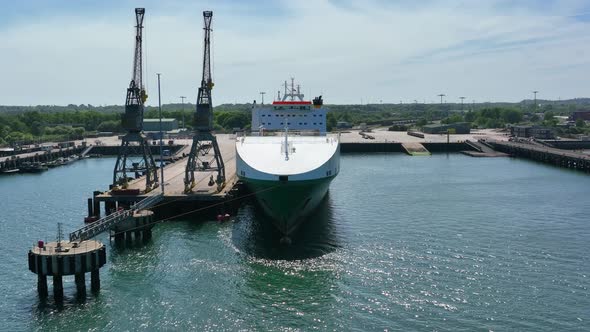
289,202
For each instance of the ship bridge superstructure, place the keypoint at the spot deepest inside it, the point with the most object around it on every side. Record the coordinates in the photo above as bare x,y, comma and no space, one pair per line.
290,111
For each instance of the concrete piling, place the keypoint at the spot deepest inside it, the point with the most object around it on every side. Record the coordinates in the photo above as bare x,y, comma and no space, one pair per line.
109,207
90,207
42,285
96,208
94,281
58,288
136,228
119,239
80,283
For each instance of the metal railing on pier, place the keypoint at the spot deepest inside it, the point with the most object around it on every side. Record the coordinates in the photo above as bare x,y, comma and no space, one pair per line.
112,219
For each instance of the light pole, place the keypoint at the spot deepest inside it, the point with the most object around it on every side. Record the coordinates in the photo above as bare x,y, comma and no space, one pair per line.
441,103
462,98
182,98
161,135
262,93
535,98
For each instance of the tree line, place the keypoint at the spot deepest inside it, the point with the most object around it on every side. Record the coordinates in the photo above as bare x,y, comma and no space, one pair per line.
25,124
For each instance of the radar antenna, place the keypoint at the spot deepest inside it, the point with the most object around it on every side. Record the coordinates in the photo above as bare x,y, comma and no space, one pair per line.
292,92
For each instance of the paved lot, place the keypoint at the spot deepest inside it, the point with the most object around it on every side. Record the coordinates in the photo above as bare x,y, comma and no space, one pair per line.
382,135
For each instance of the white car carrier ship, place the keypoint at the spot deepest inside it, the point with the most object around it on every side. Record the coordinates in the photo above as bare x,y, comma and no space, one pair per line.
290,161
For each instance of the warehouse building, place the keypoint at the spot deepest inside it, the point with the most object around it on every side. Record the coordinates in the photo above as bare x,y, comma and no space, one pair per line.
154,124
454,128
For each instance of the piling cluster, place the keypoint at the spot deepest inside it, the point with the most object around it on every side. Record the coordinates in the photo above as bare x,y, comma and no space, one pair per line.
59,259
138,227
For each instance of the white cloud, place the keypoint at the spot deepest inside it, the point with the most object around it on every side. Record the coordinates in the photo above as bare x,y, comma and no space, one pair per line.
374,51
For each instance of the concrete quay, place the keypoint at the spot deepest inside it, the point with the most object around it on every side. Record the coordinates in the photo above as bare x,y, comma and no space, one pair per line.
383,135
175,201
383,140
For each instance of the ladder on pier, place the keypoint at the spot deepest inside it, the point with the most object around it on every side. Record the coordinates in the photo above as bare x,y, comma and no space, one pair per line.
112,219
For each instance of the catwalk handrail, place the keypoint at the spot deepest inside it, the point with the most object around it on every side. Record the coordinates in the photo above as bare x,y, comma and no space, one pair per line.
109,221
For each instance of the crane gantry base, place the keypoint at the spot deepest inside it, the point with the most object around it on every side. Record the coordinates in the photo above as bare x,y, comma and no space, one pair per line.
134,160
200,160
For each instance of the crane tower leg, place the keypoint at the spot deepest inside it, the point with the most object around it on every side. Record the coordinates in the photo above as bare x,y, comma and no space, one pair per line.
204,157
135,160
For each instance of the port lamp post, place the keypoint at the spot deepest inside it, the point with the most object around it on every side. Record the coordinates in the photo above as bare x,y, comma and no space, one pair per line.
161,137
183,123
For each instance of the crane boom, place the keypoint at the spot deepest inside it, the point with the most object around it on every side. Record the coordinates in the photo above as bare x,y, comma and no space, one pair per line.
204,109
137,77
136,96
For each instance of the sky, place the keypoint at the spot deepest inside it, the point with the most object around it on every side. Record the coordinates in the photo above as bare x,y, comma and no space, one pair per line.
63,52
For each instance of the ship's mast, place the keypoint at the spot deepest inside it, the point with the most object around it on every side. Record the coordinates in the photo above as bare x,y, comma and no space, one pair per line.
291,92
135,158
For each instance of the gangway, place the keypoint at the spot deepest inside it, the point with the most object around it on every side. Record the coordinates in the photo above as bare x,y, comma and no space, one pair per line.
112,219
85,152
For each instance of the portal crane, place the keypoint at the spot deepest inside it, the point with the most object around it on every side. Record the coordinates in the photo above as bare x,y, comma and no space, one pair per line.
135,158
199,159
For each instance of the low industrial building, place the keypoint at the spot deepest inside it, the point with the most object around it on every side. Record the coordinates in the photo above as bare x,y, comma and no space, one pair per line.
343,124
532,131
584,115
453,128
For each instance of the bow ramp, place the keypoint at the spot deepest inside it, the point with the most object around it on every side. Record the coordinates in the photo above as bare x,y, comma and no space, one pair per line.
113,219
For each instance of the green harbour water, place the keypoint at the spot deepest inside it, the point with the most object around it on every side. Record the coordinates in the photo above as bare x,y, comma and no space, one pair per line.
430,243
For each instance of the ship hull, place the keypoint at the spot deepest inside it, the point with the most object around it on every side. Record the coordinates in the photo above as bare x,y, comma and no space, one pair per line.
288,188
289,203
